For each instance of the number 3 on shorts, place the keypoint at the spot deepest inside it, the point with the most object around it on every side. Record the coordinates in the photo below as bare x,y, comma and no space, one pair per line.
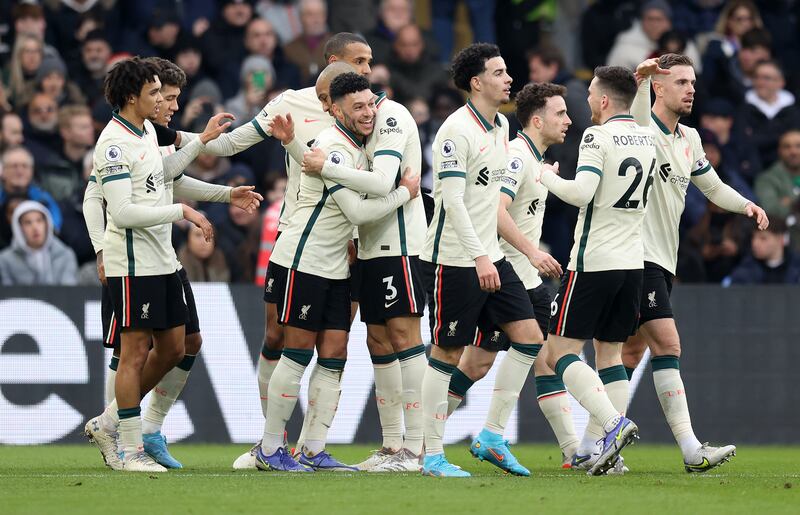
391,291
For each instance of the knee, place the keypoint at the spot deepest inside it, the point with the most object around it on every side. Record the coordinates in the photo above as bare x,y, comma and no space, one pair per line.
192,344
274,339
667,346
174,355
475,371
377,347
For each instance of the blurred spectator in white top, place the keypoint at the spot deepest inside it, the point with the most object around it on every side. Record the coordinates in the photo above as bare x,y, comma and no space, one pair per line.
284,15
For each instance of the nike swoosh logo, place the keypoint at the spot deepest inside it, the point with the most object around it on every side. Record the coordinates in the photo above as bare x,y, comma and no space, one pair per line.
499,457
310,120
141,157
288,396
483,148
390,304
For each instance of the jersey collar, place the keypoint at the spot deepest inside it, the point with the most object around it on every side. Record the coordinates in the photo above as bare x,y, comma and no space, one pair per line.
480,120
531,146
664,127
128,126
354,139
381,98
620,118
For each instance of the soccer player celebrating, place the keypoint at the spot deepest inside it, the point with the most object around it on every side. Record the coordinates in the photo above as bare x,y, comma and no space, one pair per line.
172,80
680,160
468,281
138,257
310,269
599,294
391,291
542,111
304,108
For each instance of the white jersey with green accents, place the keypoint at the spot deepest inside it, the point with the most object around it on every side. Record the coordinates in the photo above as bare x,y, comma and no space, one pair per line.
608,235
123,152
401,233
680,158
527,206
309,120
315,241
469,148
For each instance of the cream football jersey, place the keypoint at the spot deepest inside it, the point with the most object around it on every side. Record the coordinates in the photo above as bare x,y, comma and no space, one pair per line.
315,241
608,235
527,206
469,148
123,152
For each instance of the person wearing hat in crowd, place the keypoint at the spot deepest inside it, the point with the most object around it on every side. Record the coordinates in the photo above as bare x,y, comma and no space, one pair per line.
90,72
638,42
161,34
51,79
718,116
223,43
36,256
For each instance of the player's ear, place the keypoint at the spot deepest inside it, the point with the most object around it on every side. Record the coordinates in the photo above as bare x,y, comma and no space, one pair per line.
475,82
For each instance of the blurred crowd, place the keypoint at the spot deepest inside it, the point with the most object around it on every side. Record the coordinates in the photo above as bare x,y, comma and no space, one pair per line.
239,54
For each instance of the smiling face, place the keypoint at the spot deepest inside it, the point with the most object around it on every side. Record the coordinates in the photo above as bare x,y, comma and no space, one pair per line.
494,82
357,112
169,106
676,90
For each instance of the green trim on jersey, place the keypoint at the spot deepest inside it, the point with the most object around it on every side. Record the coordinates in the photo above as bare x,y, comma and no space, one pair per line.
129,249
381,97
531,146
335,188
128,125
664,127
388,152
309,225
587,168
620,117
437,239
259,129
177,177
444,175
703,170
587,223
483,122
354,138
93,179
508,192
116,177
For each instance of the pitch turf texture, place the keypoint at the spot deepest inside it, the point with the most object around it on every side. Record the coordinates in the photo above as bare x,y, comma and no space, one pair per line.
70,479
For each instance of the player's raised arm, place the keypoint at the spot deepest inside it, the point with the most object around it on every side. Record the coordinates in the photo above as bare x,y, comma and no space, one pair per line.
174,164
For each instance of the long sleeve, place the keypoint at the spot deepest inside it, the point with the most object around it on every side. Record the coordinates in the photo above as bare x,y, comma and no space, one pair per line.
718,192
193,189
296,149
360,211
640,109
377,182
93,213
230,143
127,215
453,203
175,164
578,192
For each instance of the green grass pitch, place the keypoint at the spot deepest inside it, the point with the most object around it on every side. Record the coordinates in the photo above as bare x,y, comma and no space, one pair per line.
71,479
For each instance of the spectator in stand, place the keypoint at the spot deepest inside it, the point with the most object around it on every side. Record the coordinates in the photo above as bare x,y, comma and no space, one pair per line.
202,260
17,179
51,79
41,130
771,261
717,116
7,208
769,111
357,16
11,134
29,20
20,77
223,44
481,18
209,168
73,231
284,16
696,18
614,16
394,15
670,42
307,50
414,71
269,224
189,58
736,19
721,237
260,40
36,257
444,102
734,79
239,239
69,20
89,73
163,30
778,188
61,173
380,79
256,79
635,44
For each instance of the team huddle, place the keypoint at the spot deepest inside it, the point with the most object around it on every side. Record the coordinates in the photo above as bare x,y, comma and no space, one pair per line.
353,236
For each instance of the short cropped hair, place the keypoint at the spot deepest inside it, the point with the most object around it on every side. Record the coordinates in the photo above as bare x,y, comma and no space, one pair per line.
618,83
667,61
339,41
757,38
347,83
68,112
533,97
471,62
126,79
548,54
169,72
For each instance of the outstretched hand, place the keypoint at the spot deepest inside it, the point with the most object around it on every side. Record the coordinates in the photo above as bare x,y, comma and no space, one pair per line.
246,198
753,211
649,67
214,128
282,128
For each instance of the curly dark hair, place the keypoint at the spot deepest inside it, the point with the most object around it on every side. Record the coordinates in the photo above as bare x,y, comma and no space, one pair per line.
169,72
618,83
533,97
347,83
470,62
126,80
339,41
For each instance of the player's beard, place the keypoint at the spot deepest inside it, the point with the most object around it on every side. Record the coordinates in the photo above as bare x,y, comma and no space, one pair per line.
680,109
352,126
